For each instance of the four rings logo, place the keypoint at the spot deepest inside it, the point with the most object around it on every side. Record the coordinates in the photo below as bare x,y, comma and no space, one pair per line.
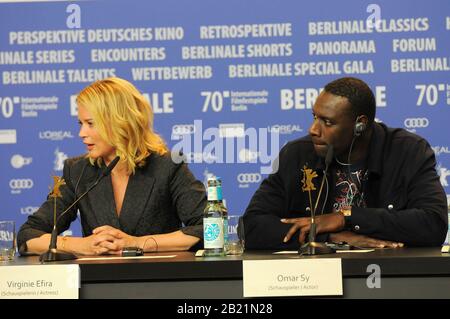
413,123
182,129
193,157
231,130
244,179
17,185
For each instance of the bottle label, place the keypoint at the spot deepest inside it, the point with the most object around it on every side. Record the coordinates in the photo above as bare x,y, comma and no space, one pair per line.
213,232
214,193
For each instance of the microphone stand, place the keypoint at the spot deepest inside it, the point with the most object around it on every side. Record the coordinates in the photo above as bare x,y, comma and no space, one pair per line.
54,254
312,247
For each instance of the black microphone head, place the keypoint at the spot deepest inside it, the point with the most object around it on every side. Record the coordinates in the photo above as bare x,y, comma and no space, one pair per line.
111,165
329,156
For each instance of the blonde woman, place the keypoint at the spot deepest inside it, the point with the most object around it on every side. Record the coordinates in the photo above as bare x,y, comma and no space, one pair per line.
147,201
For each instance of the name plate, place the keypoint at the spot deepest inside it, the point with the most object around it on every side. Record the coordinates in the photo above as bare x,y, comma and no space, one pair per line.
39,282
292,277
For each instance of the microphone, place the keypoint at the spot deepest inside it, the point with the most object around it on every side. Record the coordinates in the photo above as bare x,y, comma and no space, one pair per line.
53,254
110,167
312,247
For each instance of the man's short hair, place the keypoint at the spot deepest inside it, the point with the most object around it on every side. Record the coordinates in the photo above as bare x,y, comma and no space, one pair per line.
358,93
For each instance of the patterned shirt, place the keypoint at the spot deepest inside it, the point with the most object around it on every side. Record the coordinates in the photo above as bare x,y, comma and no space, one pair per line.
348,188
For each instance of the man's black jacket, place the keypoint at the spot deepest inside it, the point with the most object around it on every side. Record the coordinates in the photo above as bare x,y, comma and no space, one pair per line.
405,200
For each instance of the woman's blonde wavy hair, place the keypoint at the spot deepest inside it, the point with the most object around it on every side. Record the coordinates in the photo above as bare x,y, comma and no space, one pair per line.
124,119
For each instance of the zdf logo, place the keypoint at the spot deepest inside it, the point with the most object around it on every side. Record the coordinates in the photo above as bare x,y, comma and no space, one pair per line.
18,161
246,178
412,123
17,185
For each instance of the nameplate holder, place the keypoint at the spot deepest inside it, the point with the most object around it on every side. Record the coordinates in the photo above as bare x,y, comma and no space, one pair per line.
40,282
292,277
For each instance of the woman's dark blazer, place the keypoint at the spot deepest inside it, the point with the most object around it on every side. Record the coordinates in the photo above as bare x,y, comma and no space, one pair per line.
161,197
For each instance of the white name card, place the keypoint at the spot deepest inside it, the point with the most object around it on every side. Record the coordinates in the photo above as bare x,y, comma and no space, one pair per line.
292,277
39,282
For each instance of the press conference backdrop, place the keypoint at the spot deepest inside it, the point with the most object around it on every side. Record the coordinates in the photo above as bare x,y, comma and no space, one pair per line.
250,69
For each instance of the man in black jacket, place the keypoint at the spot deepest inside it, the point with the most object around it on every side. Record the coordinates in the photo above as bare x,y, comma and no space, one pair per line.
381,190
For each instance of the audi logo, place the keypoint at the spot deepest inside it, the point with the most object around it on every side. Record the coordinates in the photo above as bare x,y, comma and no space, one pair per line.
183,129
21,183
419,122
249,178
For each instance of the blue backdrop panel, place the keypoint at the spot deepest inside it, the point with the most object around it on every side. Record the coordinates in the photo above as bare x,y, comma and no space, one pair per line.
239,66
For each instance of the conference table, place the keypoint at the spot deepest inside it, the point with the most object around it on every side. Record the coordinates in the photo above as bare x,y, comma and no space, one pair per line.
405,273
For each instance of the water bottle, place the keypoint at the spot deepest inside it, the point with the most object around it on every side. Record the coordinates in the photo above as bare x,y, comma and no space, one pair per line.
213,220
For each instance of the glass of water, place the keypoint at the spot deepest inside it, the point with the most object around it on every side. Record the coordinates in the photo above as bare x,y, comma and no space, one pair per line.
7,240
235,243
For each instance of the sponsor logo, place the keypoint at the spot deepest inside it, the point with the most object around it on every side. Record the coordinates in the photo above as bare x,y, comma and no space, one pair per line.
208,158
8,137
55,135
248,156
443,173
231,130
438,150
413,123
60,157
244,179
179,130
18,161
29,210
284,129
249,178
17,185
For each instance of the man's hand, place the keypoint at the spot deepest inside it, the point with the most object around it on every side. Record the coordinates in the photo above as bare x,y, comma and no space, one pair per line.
116,239
326,223
362,241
